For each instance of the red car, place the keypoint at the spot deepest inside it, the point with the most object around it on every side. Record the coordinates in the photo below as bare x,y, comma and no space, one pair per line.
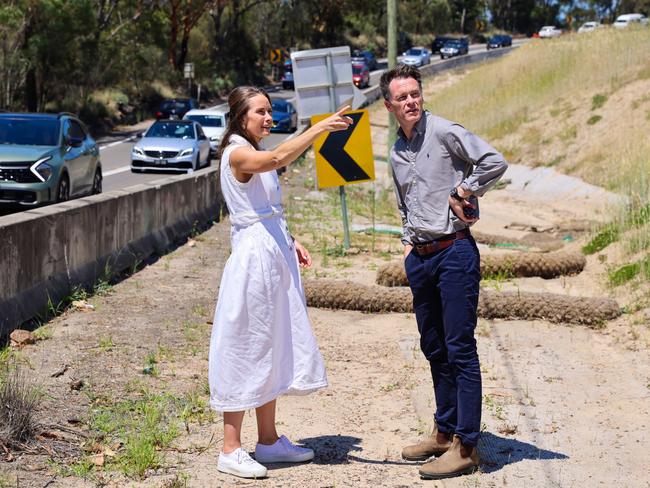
360,75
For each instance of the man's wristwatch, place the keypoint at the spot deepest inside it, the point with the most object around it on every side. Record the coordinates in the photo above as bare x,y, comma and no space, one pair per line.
454,194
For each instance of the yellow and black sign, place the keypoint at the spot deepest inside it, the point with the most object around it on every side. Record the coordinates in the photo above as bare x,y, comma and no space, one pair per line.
275,56
345,157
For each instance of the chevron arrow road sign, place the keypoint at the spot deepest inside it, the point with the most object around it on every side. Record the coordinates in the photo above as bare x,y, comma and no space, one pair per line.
345,157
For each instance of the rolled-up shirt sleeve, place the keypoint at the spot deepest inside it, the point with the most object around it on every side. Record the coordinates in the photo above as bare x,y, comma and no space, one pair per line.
488,164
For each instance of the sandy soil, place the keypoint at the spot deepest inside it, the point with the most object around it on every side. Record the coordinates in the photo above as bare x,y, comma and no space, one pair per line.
563,406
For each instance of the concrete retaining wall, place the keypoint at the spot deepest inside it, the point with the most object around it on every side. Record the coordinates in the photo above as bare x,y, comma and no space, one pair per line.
45,252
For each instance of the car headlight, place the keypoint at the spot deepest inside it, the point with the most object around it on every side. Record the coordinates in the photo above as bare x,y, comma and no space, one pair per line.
214,138
137,150
187,152
41,169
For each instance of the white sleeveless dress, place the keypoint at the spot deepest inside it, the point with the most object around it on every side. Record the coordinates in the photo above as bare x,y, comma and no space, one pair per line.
262,345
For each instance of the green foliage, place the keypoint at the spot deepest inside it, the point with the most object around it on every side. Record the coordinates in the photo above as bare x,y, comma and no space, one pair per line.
594,119
624,274
602,239
145,425
598,100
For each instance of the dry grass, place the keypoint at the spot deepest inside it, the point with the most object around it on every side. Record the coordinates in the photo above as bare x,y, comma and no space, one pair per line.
18,405
540,105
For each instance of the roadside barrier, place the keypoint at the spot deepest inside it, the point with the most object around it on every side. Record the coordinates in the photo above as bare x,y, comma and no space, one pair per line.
519,265
47,252
347,295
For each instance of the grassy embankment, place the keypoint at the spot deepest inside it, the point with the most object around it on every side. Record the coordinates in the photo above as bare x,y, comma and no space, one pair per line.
581,104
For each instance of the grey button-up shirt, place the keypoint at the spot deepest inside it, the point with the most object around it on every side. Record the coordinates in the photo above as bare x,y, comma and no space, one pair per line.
440,156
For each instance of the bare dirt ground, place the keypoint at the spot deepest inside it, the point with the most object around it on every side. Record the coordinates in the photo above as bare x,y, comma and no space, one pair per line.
563,406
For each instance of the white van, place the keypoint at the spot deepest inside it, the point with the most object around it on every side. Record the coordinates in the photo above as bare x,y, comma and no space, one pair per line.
213,121
625,20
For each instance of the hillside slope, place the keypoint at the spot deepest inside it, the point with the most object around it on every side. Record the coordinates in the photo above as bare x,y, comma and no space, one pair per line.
580,103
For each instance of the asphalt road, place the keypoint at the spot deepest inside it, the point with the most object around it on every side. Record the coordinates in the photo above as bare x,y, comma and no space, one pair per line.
116,160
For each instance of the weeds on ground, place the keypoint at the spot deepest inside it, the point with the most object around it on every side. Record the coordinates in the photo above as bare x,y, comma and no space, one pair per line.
594,119
597,101
634,217
150,363
180,480
43,333
628,272
106,344
19,403
498,279
132,433
5,482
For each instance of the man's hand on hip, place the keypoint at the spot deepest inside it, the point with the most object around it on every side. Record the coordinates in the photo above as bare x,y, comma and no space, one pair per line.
463,209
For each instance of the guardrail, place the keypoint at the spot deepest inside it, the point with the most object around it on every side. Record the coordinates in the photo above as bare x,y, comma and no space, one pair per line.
46,252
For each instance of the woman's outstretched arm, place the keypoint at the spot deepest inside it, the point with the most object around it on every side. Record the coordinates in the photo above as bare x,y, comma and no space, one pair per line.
248,161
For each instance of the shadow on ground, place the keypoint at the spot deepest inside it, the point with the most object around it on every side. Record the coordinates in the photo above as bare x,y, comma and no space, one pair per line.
497,452
338,449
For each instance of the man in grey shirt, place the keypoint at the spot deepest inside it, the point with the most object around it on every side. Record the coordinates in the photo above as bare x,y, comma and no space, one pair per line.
440,169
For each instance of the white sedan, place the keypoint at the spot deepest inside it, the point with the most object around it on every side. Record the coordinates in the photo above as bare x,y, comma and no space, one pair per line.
549,31
415,56
589,27
171,145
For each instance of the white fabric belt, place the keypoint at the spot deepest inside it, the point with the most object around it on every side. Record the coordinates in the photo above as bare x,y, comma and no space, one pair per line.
246,219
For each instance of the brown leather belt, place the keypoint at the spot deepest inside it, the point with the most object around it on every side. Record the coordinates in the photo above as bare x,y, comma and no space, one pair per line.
443,242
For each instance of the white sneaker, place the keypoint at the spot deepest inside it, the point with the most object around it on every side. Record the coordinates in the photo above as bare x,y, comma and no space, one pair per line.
283,451
240,464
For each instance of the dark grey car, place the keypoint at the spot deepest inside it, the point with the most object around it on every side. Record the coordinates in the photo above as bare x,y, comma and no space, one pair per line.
46,158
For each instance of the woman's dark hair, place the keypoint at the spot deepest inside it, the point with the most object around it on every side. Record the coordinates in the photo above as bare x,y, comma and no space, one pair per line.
239,103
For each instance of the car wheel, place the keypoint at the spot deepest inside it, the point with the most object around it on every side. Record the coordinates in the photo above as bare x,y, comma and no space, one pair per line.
63,190
97,182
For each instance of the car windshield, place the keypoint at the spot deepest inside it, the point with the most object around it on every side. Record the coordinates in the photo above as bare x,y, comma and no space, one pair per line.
208,120
357,70
414,52
29,132
279,106
171,130
452,43
175,105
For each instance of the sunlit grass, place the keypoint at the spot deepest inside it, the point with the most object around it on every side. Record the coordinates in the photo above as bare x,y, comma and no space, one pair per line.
496,98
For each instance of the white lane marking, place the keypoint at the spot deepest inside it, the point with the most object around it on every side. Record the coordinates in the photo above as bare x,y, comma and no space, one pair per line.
128,139
112,172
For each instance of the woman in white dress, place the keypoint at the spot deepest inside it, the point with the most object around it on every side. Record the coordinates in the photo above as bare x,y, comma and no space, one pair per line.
262,345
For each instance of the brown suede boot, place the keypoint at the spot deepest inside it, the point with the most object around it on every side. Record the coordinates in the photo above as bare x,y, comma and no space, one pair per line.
426,448
452,463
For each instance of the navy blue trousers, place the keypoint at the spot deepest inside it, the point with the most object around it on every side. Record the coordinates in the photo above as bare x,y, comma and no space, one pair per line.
445,288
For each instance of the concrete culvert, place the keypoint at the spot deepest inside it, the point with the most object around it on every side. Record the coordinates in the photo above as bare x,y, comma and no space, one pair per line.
348,295
519,265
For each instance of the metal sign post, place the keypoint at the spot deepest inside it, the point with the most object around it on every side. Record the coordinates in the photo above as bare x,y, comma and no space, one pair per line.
344,203
188,72
315,96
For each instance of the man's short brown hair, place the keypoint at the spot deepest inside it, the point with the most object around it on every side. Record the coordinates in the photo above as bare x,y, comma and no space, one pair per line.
402,71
